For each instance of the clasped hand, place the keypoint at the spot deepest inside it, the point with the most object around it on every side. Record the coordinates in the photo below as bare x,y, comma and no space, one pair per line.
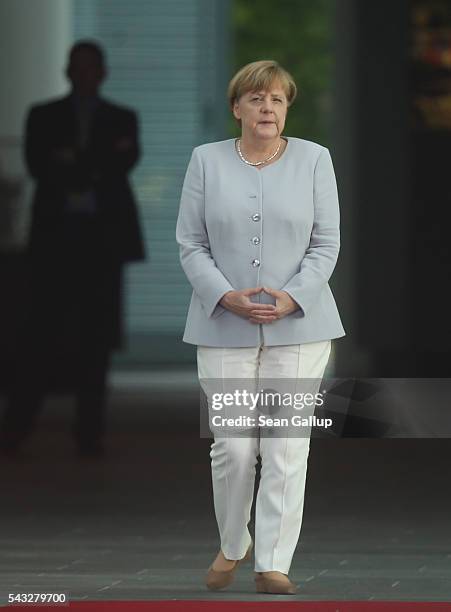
239,302
64,155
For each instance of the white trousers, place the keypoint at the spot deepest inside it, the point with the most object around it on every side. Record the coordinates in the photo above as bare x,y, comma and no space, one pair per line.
280,497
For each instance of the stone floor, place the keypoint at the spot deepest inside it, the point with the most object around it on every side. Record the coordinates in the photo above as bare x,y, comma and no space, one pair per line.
138,524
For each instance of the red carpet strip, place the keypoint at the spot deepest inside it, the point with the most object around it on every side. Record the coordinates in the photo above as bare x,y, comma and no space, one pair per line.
241,606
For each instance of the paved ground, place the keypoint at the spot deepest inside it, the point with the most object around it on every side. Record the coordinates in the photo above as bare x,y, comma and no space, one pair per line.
139,523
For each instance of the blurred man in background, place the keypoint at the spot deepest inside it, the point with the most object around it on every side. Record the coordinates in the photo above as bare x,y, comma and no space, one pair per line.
84,228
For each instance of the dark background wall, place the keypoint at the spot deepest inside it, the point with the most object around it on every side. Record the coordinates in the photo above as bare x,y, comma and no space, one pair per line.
395,193
363,84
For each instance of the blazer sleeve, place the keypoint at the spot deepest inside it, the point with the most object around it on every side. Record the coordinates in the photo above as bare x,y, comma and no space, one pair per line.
123,153
207,281
321,255
40,160
35,157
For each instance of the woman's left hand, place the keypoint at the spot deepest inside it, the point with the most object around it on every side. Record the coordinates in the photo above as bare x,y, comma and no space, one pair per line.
284,305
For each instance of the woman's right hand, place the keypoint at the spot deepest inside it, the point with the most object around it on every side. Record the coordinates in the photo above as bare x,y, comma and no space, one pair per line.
239,302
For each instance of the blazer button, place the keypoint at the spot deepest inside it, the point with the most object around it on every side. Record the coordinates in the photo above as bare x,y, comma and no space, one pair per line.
255,240
256,217
256,263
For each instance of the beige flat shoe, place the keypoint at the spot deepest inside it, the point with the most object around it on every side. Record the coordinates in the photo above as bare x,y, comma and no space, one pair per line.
216,580
274,582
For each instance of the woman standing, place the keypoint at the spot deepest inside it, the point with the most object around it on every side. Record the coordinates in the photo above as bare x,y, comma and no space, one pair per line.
258,231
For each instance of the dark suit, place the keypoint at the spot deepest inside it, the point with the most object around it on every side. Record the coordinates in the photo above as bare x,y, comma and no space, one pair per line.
84,227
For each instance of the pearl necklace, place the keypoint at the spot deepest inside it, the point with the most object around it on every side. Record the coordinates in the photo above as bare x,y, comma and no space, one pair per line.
259,163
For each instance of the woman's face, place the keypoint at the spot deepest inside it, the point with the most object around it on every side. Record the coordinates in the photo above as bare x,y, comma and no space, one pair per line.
262,113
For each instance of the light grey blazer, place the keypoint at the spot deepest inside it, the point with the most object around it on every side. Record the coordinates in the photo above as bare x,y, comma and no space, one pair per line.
241,227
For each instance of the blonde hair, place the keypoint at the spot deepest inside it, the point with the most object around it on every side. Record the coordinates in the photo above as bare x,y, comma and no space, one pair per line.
260,76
